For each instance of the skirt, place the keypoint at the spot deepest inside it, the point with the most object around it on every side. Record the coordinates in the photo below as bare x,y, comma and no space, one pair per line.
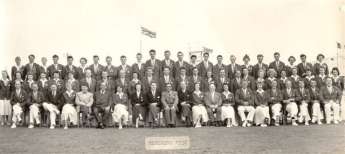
5,107
199,111
227,112
69,112
261,113
342,107
120,111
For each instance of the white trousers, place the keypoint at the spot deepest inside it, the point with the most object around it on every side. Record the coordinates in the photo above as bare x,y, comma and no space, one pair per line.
120,113
53,110
17,111
316,111
292,109
276,109
303,112
331,107
249,109
261,113
69,113
34,114
199,111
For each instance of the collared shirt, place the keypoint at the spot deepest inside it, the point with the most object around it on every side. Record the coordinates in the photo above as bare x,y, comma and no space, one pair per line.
139,65
69,93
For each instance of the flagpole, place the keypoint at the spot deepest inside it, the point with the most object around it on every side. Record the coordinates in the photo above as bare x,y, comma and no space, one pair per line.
141,42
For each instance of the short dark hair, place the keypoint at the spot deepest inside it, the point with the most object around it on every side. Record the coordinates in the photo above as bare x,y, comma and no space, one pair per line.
192,56
302,55
276,53
83,58
31,55
152,50
69,57
55,56
95,56
206,53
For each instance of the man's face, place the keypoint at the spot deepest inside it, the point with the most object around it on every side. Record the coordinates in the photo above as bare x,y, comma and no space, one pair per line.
153,86
166,71
274,83
219,60
18,60
222,73
103,86
17,85
193,59
169,87
303,58
108,60
212,87
88,73
167,55
149,72
84,89
53,88
104,75
30,77
238,73
55,60
245,71
329,82
82,61
180,56
183,85
301,84
313,83
260,59
56,75
138,87
322,71
43,75
244,84
152,55
183,71
123,60
44,60
70,61
31,59
206,57
139,57
233,59
195,71
34,87
95,60
276,57
288,84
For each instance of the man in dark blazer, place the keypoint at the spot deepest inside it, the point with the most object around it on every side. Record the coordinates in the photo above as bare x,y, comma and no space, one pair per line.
123,82
154,63
221,80
125,68
32,68
166,78
277,65
219,66
185,98
205,65
44,65
303,66
96,68
232,67
101,105
110,69
57,81
56,67
195,78
331,96
244,98
182,77
110,85
167,62
89,81
139,66
235,83
34,102
259,65
181,63
18,67
148,79
53,104
70,68
153,100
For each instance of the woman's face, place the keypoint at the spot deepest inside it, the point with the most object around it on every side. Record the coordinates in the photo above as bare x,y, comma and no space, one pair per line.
197,86
335,72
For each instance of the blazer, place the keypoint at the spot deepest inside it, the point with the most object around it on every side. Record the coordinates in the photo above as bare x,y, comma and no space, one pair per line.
179,79
249,67
198,99
241,97
303,96
14,70
51,69
81,72
67,69
110,85
102,100
170,65
202,68
5,90
260,98
123,100
317,66
92,86
233,71
321,81
301,69
128,71
315,94
69,99
125,85
141,71
177,67
57,100
274,97
97,74
156,68
251,82
169,99
228,98
185,96
279,68
216,70
35,71
327,96
256,69
146,84
217,99
112,72
39,99
292,96
235,84
18,98
219,84
163,82
135,99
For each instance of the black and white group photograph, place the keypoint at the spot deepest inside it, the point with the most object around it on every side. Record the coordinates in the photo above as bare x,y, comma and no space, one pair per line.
172,76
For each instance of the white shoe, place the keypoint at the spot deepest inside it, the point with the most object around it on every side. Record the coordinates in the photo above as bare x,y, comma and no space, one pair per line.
319,122
65,127
244,124
52,127
120,127
249,124
197,126
328,122
306,123
336,122
263,125
276,124
31,126
140,117
294,124
13,126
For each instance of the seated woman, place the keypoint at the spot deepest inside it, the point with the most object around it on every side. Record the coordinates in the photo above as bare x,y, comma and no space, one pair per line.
199,110
262,114
121,107
289,98
303,99
84,101
244,98
185,100
227,109
138,105
169,102
18,100
35,100
274,96
69,113
315,99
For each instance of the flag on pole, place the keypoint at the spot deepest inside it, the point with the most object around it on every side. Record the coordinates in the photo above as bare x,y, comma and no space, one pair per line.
148,32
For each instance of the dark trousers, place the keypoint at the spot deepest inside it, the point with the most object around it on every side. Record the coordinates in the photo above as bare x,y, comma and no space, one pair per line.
214,115
170,116
101,113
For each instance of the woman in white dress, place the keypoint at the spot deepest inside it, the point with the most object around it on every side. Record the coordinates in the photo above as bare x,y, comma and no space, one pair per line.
5,93
227,109
121,107
198,110
262,115
69,113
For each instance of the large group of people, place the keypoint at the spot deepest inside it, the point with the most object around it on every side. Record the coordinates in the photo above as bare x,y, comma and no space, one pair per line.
164,92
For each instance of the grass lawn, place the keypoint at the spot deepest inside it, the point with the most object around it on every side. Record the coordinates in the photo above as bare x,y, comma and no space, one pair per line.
275,140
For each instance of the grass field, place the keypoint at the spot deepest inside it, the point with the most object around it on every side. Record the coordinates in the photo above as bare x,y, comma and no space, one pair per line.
275,140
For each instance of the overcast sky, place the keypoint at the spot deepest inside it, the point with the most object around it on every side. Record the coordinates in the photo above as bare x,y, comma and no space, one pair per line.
112,27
